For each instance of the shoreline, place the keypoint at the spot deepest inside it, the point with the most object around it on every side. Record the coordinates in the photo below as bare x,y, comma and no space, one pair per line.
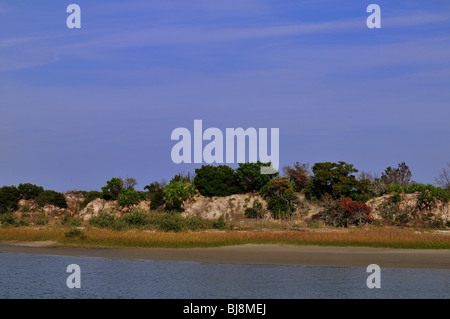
256,254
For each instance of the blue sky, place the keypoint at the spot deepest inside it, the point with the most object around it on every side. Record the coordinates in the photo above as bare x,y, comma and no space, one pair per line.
79,106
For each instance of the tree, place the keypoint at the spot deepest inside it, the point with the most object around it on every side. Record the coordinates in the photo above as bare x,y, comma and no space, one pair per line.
29,191
49,197
443,179
156,194
249,176
113,188
280,196
216,180
345,212
400,175
299,175
175,193
129,197
335,179
129,183
9,199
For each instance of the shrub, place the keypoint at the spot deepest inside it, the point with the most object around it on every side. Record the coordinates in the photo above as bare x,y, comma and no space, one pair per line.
71,221
104,219
437,192
335,179
400,175
280,197
113,188
394,188
171,222
256,211
29,191
298,174
220,223
396,198
89,197
23,222
155,194
249,177
175,193
9,199
75,233
49,197
216,181
129,197
136,218
346,212
42,219
8,219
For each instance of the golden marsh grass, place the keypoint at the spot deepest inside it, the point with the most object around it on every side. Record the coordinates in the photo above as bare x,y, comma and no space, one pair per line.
108,238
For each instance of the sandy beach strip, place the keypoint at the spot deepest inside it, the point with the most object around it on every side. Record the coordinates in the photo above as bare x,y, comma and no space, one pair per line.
258,255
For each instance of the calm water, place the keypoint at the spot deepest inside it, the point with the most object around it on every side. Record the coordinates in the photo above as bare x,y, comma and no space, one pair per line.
44,276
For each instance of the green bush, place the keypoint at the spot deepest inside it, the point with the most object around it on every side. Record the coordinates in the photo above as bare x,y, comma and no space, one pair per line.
156,195
23,222
42,219
437,192
396,198
71,221
170,222
113,188
103,220
220,223
249,177
29,191
75,233
49,197
280,196
256,211
8,219
129,197
394,188
9,199
216,181
175,193
335,179
136,218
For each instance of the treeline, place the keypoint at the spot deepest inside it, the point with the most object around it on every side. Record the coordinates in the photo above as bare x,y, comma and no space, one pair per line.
335,184
11,195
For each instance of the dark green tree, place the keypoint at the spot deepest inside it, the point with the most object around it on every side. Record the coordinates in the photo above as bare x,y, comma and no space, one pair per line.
113,188
49,197
249,176
9,199
216,180
280,196
156,194
335,179
29,191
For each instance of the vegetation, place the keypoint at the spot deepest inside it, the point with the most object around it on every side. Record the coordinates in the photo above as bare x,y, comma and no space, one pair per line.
341,196
162,221
249,177
219,180
105,237
280,196
156,195
9,199
29,191
129,197
255,211
49,197
176,192
113,188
